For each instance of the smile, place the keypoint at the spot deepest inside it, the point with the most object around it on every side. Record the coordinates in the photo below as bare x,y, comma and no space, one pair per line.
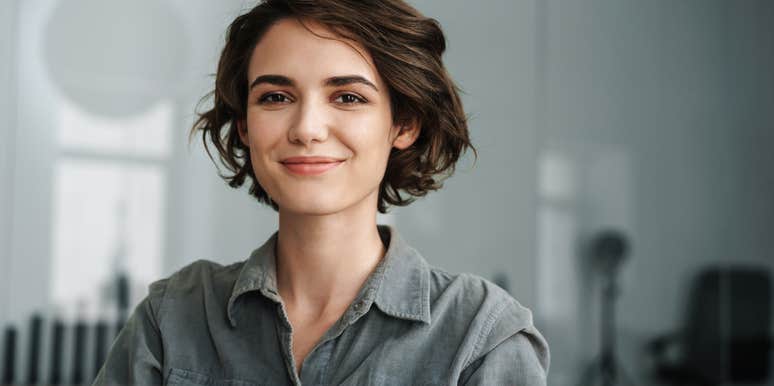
310,169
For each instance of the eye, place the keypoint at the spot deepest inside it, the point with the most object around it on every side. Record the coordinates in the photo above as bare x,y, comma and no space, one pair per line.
273,98
350,99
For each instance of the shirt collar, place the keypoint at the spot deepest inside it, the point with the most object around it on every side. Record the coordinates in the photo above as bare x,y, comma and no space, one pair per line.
399,286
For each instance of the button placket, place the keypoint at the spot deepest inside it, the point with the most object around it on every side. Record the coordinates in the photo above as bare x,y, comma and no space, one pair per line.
285,332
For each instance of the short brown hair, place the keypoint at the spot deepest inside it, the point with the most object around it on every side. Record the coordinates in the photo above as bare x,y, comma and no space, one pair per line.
406,48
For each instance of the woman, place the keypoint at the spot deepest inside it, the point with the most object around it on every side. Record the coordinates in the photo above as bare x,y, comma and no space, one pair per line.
331,109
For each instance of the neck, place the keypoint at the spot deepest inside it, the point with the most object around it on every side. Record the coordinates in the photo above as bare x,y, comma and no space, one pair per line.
323,260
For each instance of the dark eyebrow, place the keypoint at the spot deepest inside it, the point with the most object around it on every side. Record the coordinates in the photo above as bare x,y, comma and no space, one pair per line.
336,81
277,80
349,79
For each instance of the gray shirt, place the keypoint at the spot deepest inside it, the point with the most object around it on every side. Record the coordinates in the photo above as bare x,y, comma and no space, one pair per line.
410,324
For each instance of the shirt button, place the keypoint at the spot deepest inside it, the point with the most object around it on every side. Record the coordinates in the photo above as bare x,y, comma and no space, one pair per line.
359,305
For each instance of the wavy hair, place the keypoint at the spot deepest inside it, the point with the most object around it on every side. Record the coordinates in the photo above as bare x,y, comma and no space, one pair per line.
406,48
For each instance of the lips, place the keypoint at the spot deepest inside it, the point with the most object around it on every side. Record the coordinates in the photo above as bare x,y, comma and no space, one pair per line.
310,160
307,166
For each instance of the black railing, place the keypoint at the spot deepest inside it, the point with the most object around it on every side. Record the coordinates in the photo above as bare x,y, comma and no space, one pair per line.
69,348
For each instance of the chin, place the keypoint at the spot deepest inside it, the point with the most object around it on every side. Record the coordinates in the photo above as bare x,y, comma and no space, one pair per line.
315,207
319,201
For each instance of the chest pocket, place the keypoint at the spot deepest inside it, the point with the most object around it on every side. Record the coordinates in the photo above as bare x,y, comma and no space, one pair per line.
180,377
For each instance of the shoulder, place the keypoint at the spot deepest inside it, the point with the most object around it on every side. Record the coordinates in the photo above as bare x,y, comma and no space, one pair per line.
195,275
203,271
492,317
190,283
472,293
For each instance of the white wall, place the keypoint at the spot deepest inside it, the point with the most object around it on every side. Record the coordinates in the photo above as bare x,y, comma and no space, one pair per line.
482,221
661,114
7,122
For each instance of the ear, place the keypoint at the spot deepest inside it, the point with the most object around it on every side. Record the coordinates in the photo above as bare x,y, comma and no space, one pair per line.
407,134
242,130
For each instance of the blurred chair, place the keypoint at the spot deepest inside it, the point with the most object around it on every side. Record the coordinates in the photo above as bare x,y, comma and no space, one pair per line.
727,333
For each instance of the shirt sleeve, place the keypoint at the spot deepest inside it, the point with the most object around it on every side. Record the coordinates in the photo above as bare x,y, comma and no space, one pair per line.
514,353
136,356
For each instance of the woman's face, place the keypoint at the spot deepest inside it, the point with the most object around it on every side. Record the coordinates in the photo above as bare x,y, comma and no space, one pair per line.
316,97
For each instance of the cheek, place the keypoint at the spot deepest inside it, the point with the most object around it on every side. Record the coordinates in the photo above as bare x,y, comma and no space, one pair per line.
265,130
368,133
371,149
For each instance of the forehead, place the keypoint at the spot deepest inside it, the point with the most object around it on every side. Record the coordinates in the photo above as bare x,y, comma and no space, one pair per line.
309,51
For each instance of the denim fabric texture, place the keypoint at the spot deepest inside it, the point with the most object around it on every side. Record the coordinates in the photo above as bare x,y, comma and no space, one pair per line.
410,324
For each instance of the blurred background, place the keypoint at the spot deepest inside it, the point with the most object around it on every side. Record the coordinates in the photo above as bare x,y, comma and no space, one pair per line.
624,190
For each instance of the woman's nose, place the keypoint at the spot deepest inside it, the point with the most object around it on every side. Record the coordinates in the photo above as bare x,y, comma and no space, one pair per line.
310,124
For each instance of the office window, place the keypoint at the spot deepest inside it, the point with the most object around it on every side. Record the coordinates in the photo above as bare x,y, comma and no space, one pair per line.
109,189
